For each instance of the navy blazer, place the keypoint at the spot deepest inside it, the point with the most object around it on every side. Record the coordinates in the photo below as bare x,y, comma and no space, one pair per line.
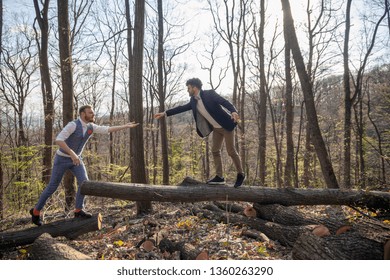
217,106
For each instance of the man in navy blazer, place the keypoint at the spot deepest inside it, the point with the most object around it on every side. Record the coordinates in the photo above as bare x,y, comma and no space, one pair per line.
212,113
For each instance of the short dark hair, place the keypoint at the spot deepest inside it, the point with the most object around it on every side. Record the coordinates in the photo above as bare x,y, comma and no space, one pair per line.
82,108
195,82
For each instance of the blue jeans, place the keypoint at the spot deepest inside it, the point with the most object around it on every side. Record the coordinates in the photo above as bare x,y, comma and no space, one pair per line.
60,166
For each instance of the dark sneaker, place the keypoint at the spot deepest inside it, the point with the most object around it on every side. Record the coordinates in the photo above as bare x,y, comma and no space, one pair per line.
216,181
240,180
82,214
35,219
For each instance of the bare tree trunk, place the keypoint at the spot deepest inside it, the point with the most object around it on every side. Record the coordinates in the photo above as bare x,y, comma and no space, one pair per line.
360,128
299,140
154,139
318,141
1,125
242,98
67,88
263,100
1,26
358,104
162,94
307,158
278,177
289,170
387,7
347,101
135,54
22,139
382,164
242,142
1,170
47,92
112,110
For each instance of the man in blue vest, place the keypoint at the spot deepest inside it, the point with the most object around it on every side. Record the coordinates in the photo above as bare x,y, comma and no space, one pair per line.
71,141
212,113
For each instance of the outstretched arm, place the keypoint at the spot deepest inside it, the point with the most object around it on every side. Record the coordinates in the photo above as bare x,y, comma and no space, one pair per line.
173,111
159,115
121,127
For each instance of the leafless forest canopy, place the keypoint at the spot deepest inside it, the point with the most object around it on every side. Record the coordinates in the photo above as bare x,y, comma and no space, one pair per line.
245,51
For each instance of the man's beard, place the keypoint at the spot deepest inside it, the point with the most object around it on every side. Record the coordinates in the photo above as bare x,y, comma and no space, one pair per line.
90,120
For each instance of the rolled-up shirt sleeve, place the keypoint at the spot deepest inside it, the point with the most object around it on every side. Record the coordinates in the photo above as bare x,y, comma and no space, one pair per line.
100,129
66,131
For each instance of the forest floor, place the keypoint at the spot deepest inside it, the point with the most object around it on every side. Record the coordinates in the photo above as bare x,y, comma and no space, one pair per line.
123,233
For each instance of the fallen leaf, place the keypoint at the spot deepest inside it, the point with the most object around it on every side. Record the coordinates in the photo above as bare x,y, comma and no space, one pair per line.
118,243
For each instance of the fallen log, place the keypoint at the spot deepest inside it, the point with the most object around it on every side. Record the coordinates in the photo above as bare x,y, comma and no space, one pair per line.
363,239
187,251
347,246
373,230
254,234
69,228
287,215
292,217
372,200
46,247
286,235
230,207
282,215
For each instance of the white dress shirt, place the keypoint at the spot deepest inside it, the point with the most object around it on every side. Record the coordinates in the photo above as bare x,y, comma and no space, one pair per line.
71,127
201,109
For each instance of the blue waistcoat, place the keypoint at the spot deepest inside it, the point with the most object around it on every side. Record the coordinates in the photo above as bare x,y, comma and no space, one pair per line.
76,141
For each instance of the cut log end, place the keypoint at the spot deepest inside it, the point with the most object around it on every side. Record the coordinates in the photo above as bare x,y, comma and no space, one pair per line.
321,231
203,256
343,229
148,245
250,212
